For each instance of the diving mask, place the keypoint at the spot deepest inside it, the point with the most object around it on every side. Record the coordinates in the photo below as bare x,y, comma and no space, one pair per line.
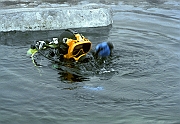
77,48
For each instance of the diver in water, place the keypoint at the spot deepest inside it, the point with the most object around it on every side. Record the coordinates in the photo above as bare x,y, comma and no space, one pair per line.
70,46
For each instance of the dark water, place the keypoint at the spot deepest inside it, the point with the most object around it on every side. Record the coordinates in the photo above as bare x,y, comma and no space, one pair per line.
140,84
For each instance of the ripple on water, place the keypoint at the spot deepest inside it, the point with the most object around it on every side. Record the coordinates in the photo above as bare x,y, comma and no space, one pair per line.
139,83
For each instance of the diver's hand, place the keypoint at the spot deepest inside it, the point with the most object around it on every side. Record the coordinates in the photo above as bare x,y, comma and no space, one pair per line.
104,49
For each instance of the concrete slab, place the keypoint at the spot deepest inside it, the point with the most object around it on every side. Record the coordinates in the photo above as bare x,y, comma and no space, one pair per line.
51,17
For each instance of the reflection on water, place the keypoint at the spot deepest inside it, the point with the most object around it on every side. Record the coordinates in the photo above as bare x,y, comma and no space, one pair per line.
82,71
138,84
72,77
69,74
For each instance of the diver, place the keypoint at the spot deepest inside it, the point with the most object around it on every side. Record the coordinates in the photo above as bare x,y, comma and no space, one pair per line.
71,45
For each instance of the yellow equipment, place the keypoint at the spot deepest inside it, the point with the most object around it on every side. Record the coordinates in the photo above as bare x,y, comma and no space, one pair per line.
77,48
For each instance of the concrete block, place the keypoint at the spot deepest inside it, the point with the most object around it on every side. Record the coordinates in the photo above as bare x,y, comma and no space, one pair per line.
32,19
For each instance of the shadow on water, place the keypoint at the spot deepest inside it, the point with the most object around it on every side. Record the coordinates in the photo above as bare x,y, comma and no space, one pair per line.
19,38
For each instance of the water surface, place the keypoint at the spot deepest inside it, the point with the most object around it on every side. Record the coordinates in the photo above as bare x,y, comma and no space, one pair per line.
138,84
